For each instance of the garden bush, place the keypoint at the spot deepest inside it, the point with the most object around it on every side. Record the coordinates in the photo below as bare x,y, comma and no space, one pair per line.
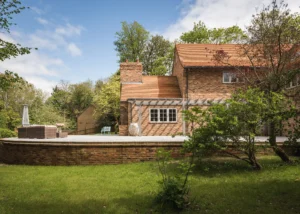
7,133
174,190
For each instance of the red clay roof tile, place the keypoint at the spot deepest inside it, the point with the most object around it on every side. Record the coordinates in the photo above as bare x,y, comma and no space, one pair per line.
197,55
152,87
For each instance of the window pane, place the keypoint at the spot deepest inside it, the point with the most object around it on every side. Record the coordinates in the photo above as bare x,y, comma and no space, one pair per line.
294,82
233,78
153,115
226,77
172,115
163,115
241,78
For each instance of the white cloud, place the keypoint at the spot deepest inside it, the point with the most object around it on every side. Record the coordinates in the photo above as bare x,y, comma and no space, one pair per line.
56,39
217,13
42,42
39,67
36,67
15,34
42,21
42,83
37,10
7,38
69,30
74,50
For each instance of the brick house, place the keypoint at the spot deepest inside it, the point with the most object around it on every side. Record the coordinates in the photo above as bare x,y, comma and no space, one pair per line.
86,122
154,103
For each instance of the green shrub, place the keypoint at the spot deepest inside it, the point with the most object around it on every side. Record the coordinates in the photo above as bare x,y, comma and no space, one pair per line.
7,133
173,193
174,190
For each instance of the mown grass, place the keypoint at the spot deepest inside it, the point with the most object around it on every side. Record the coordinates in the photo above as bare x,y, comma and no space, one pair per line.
217,186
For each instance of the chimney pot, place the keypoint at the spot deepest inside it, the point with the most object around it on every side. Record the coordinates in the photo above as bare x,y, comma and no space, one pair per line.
126,60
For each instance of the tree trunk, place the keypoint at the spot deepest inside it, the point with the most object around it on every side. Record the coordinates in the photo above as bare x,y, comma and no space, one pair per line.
272,140
254,162
256,165
252,155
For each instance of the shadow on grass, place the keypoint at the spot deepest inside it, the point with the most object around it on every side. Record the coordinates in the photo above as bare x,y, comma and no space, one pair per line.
133,204
214,166
273,196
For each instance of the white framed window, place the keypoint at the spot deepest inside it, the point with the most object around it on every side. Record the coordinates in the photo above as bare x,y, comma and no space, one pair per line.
295,82
230,77
163,115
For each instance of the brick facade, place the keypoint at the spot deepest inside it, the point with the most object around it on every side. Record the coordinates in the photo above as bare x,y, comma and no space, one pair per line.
178,71
83,154
154,128
207,83
123,130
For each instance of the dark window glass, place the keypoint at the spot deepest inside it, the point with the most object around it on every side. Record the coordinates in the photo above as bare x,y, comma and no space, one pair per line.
154,115
172,115
226,77
163,115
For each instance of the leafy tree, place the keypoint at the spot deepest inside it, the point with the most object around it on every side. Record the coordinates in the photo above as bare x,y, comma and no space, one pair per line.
107,102
41,112
202,34
272,51
155,52
60,98
158,56
98,85
7,9
81,97
4,133
8,80
131,41
9,119
70,100
293,133
232,126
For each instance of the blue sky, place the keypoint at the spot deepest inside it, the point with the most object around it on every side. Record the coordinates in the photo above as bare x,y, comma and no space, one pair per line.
75,37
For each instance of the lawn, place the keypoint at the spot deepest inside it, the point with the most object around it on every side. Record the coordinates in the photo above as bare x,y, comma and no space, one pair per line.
217,186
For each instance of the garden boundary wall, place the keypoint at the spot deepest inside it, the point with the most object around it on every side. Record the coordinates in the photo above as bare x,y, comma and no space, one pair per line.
83,154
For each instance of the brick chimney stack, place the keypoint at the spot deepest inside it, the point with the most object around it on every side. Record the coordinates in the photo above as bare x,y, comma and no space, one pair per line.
131,72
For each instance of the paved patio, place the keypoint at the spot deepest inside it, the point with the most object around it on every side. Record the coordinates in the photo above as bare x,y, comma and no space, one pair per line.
118,139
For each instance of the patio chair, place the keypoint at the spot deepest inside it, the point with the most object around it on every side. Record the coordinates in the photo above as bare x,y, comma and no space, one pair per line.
106,129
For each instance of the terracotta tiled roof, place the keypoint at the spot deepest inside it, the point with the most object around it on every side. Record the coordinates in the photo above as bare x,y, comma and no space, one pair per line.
197,55
152,87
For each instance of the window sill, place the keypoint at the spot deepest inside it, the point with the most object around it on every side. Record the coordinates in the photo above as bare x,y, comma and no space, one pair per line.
163,122
292,87
233,82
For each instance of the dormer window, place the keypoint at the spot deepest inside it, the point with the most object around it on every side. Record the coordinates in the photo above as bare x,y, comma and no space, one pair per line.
230,77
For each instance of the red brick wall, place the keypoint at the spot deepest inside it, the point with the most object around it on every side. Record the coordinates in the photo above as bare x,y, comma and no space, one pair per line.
208,83
156,129
203,82
178,71
87,154
123,130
